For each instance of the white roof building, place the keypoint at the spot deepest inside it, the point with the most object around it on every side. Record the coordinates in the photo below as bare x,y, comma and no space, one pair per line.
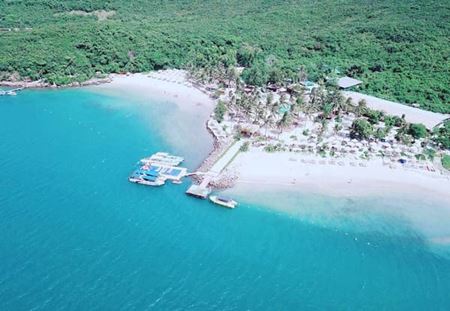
347,82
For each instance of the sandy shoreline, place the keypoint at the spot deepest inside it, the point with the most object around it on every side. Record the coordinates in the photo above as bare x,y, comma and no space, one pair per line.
281,169
168,85
186,108
325,176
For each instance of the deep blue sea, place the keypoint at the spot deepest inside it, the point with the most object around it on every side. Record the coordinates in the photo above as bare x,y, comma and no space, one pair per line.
76,235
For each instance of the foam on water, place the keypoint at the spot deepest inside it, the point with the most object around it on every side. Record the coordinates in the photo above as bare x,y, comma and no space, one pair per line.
75,235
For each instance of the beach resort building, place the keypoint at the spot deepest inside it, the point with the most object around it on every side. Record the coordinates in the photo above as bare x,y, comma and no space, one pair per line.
347,82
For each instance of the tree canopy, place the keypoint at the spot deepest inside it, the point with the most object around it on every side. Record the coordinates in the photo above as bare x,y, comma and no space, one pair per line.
399,49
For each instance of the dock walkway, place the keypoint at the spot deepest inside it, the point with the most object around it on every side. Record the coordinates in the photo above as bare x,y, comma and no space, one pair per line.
225,158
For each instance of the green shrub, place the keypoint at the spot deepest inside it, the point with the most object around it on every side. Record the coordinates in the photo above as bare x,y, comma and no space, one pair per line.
420,157
442,135
417,130
380,133
394,121
446,161
374,116
270,148
429,153
219,111
361,129
245,146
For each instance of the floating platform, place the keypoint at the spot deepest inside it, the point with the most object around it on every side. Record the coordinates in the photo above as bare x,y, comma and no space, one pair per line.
168,172
162,158
199,191
157,169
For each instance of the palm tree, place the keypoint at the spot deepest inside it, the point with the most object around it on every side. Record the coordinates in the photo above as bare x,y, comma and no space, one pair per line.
269,121
362,106
282,98
230,75
327,109
269,100
238,84
340,104
348,104
246,104
308,108
230,94
295,108
301,75
318,97
274,108
285,120
324,124
260,112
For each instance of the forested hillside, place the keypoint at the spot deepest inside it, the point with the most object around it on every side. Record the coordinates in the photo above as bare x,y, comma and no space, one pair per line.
400,49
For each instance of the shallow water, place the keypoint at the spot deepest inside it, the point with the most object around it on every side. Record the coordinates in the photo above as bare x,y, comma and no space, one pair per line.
75,235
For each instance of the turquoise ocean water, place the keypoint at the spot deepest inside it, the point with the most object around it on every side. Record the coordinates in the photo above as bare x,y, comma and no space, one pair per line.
75,235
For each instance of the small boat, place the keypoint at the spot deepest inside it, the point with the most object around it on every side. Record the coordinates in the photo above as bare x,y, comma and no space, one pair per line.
223,201
146,182
146,178
177,181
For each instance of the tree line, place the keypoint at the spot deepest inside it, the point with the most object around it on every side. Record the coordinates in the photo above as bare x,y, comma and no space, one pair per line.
398,49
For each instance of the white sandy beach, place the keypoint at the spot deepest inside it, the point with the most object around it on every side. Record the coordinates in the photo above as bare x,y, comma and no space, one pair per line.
256,167
183,125
167,85
326,176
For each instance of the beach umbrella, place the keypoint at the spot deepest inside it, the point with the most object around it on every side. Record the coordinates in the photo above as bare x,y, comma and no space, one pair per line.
332,140
415,149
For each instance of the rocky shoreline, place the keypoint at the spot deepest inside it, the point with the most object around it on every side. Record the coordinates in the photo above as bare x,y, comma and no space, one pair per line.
226,179
42,84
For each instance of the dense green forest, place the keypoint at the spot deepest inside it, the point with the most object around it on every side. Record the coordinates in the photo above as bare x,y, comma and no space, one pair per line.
400,49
